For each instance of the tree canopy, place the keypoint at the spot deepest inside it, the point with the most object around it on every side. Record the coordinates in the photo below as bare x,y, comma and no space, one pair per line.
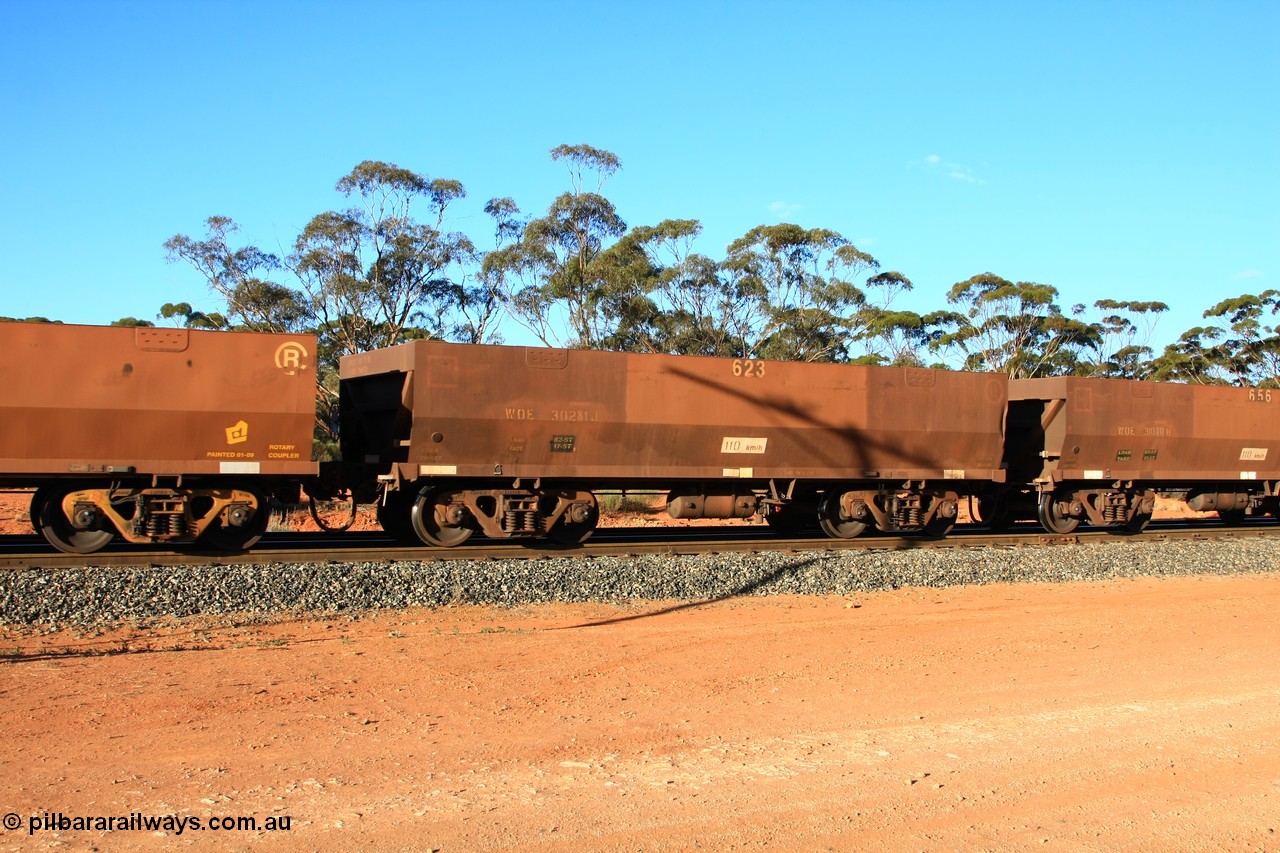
390,265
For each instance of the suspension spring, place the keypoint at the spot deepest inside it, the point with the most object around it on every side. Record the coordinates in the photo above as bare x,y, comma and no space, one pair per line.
907,515
522,521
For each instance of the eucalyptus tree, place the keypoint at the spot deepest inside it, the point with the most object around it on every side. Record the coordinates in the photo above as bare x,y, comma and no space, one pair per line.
1013,328
189,317
374,274
886,335
1124,331
243,278
1191,358
666,297
384,270
1241,346
368,276
556,279
789,293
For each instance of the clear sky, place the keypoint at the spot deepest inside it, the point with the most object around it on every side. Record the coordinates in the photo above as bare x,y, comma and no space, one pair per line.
1127,150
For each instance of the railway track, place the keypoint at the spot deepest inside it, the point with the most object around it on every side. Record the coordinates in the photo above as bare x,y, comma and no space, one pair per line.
31,552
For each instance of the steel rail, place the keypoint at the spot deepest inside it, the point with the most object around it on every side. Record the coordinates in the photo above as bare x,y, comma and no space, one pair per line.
30,552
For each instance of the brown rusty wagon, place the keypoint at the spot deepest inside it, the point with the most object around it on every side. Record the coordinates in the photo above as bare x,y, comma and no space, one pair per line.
517,441
154,435
1100,450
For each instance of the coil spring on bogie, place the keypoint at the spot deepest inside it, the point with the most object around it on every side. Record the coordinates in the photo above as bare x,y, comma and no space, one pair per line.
906,513
520,515
1114,512
522,521
166,524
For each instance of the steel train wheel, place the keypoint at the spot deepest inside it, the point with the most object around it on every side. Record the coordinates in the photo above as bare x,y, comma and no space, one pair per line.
832,524
1052,520
57,529
429,521
1233,517
231,537
576,532
37,506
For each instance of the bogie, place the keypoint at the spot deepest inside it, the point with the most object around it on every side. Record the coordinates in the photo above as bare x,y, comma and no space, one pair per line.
447,518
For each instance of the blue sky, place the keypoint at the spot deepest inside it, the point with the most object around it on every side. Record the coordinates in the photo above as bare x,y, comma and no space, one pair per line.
1110,149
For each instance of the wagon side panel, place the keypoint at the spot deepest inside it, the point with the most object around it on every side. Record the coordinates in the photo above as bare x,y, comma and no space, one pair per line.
87,400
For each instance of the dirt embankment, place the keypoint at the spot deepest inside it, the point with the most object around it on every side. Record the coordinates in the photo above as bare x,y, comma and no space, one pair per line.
1137,715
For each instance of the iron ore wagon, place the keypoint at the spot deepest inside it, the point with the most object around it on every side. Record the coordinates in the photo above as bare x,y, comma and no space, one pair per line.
516,441
1100,450
154,435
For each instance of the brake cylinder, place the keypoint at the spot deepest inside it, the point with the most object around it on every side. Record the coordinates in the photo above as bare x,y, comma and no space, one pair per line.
712,506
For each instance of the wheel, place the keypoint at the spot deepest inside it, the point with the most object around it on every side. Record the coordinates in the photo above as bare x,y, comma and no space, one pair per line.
1232,516
568,532
37,505
1052,520
56,528
220,536
995,513
430,523
394,517
832,524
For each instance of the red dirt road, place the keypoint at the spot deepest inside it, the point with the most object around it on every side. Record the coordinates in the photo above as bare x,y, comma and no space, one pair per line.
1128,715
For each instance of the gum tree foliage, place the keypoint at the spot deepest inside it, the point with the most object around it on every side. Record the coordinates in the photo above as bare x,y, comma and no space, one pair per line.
791,292
889,336
578,277
373,275
242,277
668,298
1013,328
387,268
1122,333
783,292
483,302
555,281
1240,347
369,276
191,318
